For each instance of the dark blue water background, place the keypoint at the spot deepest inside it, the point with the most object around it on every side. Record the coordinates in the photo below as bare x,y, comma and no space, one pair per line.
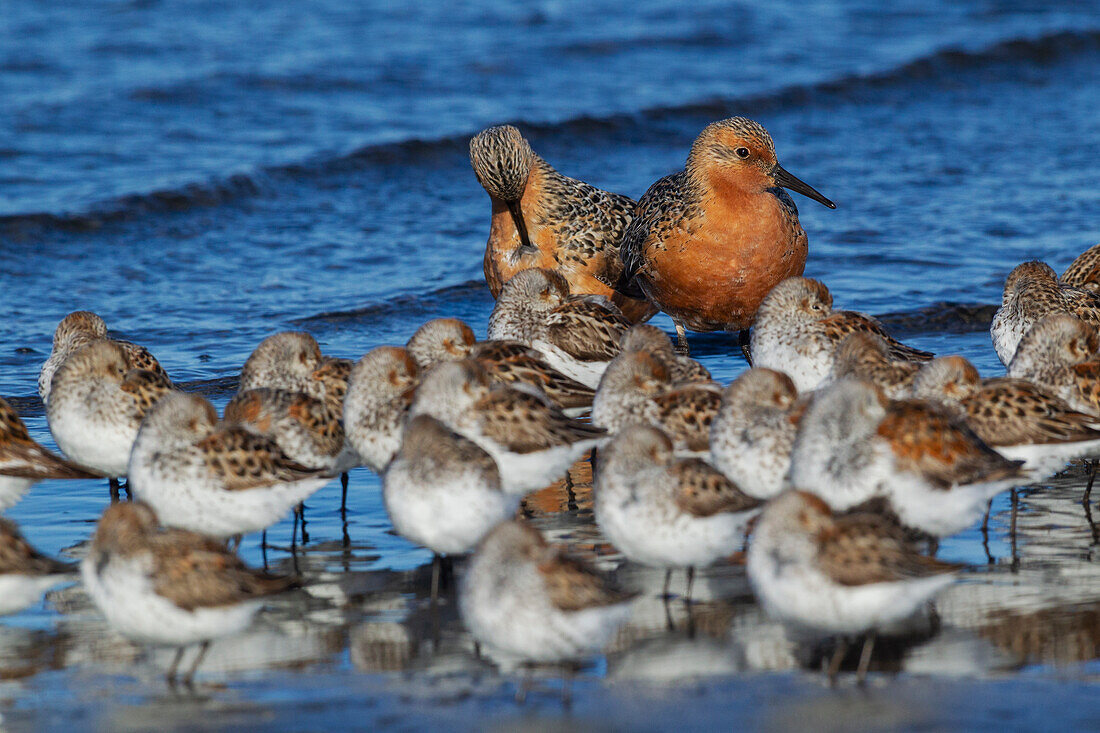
203,174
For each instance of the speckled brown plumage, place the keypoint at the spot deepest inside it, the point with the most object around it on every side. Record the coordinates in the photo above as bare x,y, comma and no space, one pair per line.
505,416
574,228
243,460
1084,272
22,457
17,556
704,492
866,355
929,440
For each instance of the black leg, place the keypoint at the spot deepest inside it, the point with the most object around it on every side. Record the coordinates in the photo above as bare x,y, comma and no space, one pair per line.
263,547
344,493
691,582
1092,477
865,657
113,486
302,513
668,579
1015,513
294,532
190,676
437,567
171,676
744,342
985,520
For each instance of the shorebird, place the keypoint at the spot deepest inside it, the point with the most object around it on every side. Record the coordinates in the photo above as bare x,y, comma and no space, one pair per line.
98,403
305,428
380,390
25,573
798,332
1084,272
170,587
753,433
853,445
652,340
510,362
708,243
664,511
637,388
544,219
527,600
443,492
1017,418
287,360
215,478
531,440
1031,292
23,462
866,356
577,335
1060,355
78,329
838,575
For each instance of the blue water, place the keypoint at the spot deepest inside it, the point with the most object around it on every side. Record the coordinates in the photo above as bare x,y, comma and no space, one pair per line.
204,174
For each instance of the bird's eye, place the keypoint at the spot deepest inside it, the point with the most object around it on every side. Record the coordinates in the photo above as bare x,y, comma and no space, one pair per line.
742,152
815,306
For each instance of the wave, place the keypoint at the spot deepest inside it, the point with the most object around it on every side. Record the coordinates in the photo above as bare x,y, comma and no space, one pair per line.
943,63
406,305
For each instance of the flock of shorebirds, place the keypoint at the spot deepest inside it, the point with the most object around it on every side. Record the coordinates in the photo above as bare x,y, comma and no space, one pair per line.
838,459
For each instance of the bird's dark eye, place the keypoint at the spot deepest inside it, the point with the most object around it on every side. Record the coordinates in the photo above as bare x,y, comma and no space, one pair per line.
742,152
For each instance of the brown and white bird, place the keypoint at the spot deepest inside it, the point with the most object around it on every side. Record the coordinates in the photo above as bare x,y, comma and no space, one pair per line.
215,478
529,602
24,462
510,362
838,575
853,445
78,329
380,391
1060,355
637,388
798,332
1084,272
97,404
753,433
1031,292
544,219
577,335
866,356
1018,418
532,442
708,243
664,511
170,587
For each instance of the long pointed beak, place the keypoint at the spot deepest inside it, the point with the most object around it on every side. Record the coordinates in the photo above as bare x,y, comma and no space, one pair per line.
787,180
521,226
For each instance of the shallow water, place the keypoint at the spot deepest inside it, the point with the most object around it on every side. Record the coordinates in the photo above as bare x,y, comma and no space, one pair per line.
204,175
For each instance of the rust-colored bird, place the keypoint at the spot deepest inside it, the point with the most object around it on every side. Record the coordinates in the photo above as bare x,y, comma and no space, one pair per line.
544,219
708,243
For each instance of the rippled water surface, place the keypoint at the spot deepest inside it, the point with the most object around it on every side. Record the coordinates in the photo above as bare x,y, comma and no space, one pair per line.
203,174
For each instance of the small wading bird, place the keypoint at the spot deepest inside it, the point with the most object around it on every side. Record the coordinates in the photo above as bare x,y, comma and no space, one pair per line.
544,219
708,243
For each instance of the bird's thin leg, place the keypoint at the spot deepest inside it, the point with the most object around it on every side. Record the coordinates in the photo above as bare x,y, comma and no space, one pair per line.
567,685
681,339
865,657
1015,513
744,342
524,685
263,547
294,531
437,563
302,512
668,579
985,520
113,486
691,581
344,494
1092,477
171,676
838,657
190,676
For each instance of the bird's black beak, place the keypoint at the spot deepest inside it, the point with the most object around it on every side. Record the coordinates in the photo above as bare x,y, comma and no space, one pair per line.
787,180
521,226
